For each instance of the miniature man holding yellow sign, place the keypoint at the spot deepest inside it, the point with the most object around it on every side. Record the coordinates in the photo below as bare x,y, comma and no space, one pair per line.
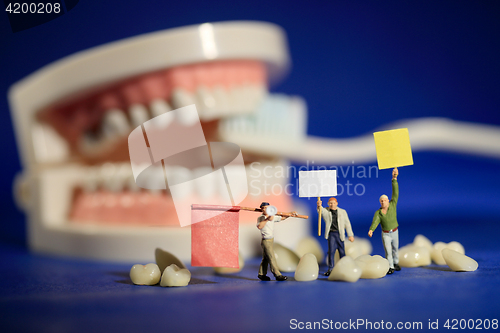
393,150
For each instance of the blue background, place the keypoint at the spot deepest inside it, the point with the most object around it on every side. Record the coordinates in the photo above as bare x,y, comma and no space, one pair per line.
359,65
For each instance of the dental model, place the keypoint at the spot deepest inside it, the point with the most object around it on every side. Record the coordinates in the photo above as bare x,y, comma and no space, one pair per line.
438,247
174,276
148,275
459,262
310,245
372,267
73,117
307,269
347,270
413,255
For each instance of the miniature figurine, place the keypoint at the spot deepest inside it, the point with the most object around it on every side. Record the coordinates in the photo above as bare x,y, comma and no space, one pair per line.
336,224
265,223
387,217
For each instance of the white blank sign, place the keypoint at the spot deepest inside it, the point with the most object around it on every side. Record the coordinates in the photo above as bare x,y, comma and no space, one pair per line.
318,183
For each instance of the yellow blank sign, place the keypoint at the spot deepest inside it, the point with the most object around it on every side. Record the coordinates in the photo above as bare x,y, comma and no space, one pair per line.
393,148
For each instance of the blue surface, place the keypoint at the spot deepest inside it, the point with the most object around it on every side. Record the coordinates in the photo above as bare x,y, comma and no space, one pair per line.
46,294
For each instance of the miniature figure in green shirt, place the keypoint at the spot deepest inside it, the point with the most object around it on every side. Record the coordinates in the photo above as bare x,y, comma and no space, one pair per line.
386,216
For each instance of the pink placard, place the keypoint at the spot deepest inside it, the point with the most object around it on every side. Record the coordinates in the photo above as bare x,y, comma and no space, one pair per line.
214,240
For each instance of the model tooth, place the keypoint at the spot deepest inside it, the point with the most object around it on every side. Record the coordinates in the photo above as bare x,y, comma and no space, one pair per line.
310,245
174,276
181,97
257,94
145,274
164,259
231,270
158,107
307,269
459,262
436,253
456,246
205,101
138,115
115,124
221,98
91,179
183,176
205,182
421,240
414,256
106,176
372,267
286,259
345,269
237,184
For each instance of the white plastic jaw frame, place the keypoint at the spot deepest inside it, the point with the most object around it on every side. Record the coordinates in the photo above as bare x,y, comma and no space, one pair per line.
44,190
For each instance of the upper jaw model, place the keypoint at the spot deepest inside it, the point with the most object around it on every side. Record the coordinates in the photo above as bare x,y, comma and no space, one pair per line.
72,119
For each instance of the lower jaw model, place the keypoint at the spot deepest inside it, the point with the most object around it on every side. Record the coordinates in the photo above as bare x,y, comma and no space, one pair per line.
73,118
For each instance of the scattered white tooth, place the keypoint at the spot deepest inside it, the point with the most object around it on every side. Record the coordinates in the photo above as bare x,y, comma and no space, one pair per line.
145,275
164,259
205,182
159,106
414,256
345,269
115,124
174,276
459,262
286,259
138,114
421,240
257,94
438,247
359,247
222,99
205,102
456,246
308,268
231,270
181,97
310,245
372,267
